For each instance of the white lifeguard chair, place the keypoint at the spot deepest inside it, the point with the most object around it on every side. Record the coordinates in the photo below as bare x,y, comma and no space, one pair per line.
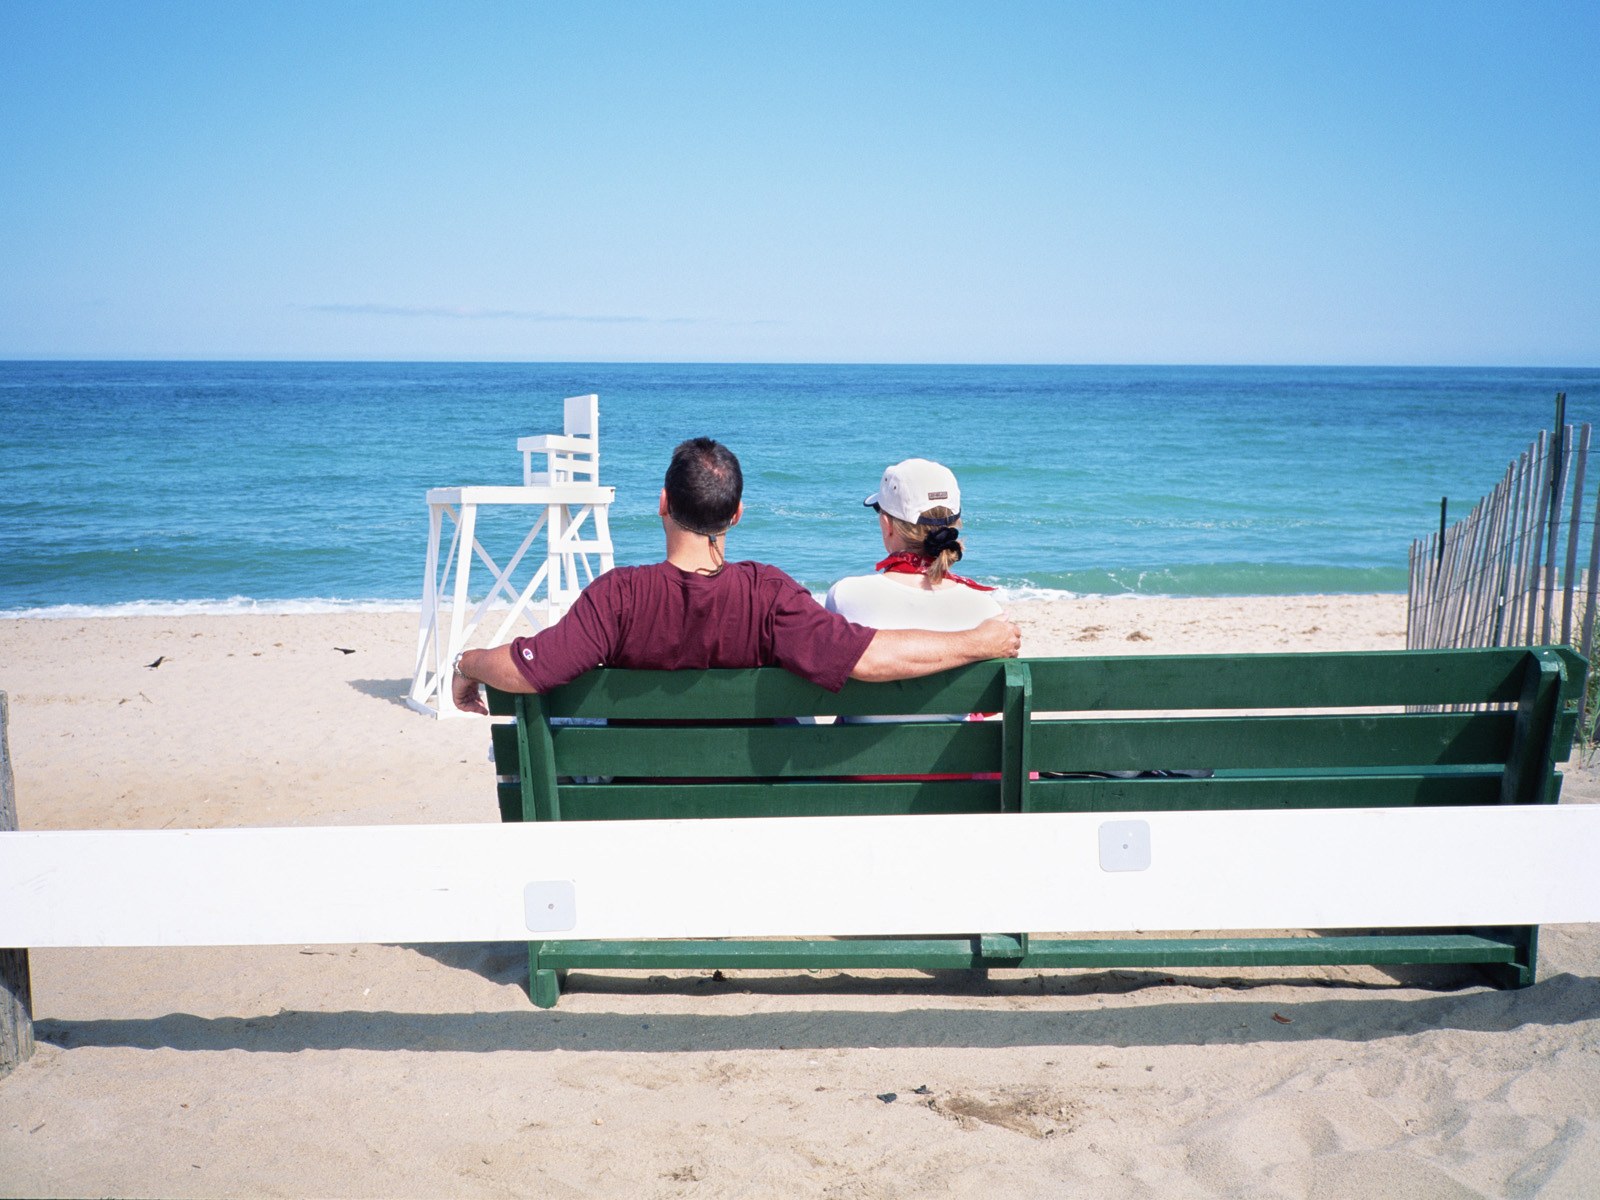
573,456
572,511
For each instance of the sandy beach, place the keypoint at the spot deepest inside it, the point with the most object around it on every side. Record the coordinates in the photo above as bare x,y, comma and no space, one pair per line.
400,1070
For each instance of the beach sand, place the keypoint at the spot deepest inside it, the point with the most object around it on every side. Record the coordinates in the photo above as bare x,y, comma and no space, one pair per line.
423,1070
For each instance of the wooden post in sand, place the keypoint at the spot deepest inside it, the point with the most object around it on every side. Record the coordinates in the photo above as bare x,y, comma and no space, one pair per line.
16,997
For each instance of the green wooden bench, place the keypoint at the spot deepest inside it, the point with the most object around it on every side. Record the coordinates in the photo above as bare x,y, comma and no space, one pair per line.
1350,730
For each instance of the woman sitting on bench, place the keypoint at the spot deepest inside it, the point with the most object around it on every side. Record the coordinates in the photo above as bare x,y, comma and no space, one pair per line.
919,518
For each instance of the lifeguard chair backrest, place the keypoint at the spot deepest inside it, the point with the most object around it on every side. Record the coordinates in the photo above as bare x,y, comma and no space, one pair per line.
573,456
581,416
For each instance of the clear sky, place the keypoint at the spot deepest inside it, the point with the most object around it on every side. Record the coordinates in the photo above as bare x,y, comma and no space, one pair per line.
1203,182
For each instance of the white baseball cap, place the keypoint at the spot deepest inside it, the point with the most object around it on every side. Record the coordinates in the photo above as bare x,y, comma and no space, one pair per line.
911,488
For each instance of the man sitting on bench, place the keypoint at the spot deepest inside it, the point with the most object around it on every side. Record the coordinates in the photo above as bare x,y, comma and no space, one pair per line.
696,610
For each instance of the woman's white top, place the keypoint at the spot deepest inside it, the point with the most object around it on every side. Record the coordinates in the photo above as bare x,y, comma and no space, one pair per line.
879,602
883,602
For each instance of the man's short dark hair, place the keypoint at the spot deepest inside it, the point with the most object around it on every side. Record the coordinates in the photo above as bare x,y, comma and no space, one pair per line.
704,485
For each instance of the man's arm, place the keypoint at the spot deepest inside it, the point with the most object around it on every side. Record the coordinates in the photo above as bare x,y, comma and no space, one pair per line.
908,653
494,666
578,642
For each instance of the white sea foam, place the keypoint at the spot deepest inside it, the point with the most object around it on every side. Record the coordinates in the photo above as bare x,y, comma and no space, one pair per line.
1026,592
1006,595
233,606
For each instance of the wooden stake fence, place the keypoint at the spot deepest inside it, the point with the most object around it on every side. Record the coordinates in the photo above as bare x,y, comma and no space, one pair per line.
1507,574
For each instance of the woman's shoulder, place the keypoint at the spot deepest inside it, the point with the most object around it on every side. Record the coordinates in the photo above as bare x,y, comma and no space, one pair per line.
852,586
886,603
852,582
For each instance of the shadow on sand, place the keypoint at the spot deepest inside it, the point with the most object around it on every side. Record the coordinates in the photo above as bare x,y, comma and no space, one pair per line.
1364,1016
392,690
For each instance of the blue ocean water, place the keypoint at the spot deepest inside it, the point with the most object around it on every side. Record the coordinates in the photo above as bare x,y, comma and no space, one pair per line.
285,485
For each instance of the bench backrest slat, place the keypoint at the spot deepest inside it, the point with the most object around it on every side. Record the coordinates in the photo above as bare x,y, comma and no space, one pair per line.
766,693
1269,743
1350,790
666,801
1333,680
777,751
1133,682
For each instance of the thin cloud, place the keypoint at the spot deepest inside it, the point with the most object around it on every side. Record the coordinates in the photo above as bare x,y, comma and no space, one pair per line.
461,313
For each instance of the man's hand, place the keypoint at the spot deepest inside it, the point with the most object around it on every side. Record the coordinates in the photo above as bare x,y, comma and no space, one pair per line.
467,694
495,667
1002,636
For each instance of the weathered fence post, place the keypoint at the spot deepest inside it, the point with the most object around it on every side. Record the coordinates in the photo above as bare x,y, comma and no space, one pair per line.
1561,440
16,997
1579,458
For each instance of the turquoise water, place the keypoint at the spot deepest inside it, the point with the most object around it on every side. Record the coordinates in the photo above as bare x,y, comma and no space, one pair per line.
300,485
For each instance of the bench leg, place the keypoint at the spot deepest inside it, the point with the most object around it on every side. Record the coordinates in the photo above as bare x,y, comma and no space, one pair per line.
544,983
1524,970
544,988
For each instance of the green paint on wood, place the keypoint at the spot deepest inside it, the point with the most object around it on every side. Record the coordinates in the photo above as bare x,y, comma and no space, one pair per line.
664,801
776,751
1409,790
1015,742
1008,950
1269,743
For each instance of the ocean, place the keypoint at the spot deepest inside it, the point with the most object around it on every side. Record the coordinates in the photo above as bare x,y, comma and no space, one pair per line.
154,487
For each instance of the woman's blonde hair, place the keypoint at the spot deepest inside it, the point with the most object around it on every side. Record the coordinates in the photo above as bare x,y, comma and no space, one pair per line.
916,536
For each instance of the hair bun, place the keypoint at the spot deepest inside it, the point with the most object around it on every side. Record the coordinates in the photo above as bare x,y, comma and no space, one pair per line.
937,541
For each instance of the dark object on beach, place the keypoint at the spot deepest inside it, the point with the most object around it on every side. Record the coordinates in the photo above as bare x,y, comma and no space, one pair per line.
924,1090
718,977
342,650
1282,1020
152,666
888,1097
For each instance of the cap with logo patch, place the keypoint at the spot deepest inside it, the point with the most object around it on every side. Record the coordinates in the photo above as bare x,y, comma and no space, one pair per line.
911,488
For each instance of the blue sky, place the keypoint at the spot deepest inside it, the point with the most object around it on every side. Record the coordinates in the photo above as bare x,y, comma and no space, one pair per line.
904,182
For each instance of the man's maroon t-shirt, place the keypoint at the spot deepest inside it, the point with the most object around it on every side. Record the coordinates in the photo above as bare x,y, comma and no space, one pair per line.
660,618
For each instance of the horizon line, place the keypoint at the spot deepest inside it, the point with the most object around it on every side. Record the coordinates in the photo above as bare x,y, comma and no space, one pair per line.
736,362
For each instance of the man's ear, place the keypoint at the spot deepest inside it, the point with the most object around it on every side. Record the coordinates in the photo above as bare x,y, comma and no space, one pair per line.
738,512
661,509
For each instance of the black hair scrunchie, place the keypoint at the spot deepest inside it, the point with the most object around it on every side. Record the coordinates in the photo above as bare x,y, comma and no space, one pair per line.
939,540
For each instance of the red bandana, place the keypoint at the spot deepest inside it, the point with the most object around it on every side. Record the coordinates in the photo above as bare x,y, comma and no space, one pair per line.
909,562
